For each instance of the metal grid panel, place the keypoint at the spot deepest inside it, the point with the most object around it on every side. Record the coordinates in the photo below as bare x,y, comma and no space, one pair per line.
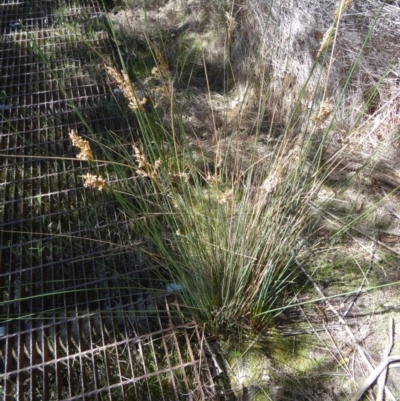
19,14
74,324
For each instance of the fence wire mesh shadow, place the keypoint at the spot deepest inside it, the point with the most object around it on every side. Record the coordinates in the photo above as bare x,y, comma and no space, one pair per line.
74,322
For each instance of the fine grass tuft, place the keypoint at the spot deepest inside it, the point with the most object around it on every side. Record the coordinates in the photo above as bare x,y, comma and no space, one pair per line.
226,213
225,231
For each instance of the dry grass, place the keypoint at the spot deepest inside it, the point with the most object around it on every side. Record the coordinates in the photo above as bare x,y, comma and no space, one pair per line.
291,35
298,30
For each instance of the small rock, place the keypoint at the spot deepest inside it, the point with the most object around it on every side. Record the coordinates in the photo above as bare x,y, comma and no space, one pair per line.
174,287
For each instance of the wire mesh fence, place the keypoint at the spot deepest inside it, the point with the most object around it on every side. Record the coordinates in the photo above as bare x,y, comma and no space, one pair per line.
75,322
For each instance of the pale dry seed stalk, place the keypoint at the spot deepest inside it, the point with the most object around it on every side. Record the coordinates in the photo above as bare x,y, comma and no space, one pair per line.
145,168
226,196
329,34
326,40
83,145
213,179
230,23
161,73
323,114
94,181
156,73
127,87
341,8
162,64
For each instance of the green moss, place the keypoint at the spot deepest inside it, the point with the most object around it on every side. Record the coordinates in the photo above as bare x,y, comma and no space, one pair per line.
253,368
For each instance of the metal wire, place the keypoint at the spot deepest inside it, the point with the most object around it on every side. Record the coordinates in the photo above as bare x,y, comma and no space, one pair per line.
74,324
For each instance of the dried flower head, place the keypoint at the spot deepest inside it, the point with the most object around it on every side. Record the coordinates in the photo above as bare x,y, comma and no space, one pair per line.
213,179
328,36
326,40
162,64
145,168
156,73
324,112
83,145
342,6
163,74
183,175
128,89
230,23
226,196
94,181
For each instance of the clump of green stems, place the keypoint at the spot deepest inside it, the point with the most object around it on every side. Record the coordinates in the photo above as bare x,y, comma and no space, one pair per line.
227,241
226,236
